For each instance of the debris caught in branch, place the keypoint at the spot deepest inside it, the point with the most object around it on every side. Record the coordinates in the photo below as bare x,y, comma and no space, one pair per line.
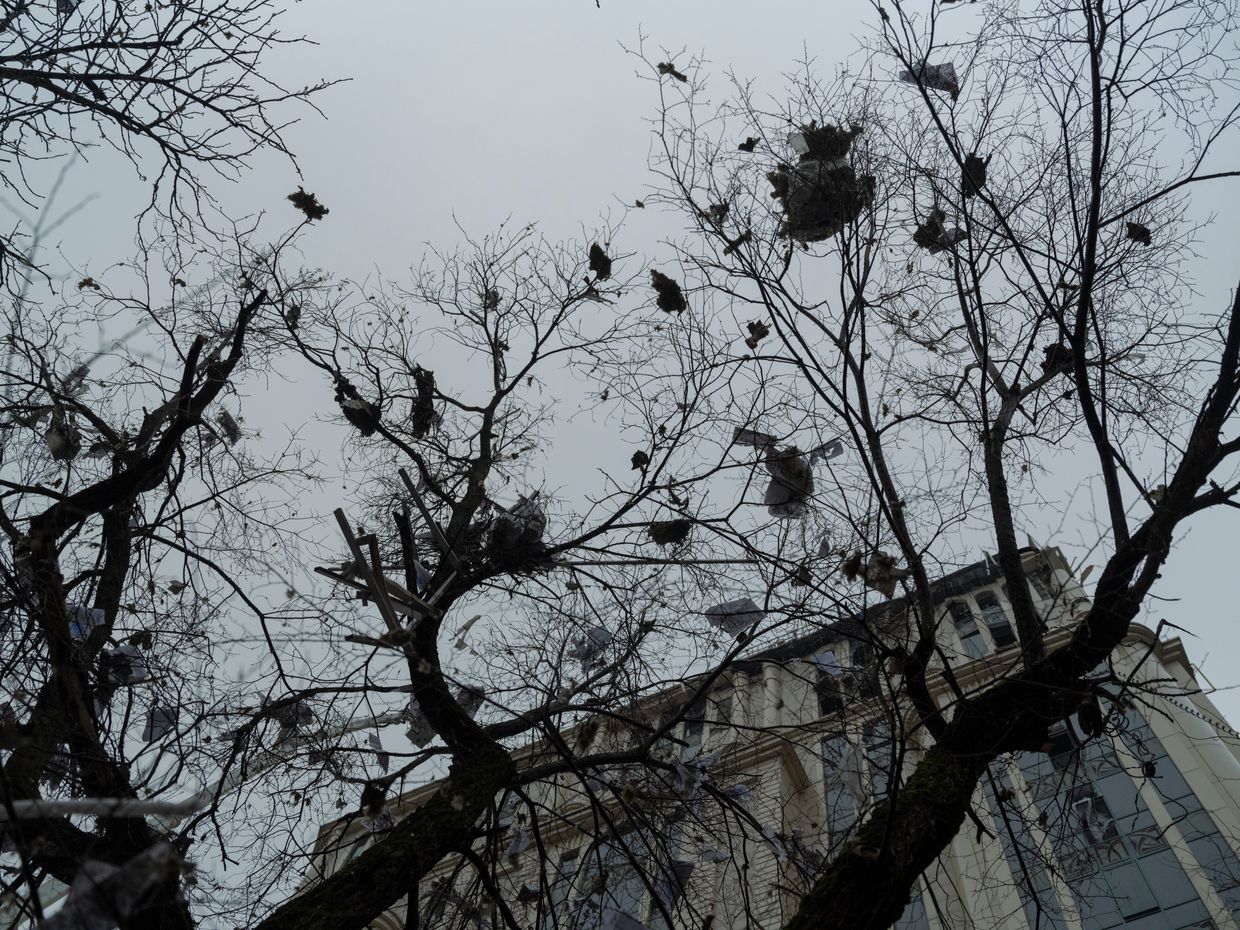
470,697
1089,716
774,843
822,193
879,572
521,840
516,538
749,144
826,142
124,665
936,77
420,731
361,413
717,213
792,483
232,431
64,440
670,532
1058,357
160,721
670,299
465,628
74,383
734,244
850,568
934,236
293,718
666,67
713,854
757,332
831,449
792,475
734,617
82,620
103,895
382,758
422,416
827,663
973,174
308,204
373,806
1139,233
600,262
589,649
742,436
851,773
639,460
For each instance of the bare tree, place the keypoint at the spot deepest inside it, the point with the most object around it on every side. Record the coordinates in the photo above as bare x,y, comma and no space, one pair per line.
976,250
973,252
177,88
897,300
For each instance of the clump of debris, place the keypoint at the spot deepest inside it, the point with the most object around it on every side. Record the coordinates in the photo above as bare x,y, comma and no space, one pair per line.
515,541
821,194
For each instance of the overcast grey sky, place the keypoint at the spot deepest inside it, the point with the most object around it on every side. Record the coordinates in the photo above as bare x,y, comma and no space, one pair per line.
474,112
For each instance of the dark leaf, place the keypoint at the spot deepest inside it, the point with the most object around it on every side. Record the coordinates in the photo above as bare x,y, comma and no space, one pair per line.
757,332
734,244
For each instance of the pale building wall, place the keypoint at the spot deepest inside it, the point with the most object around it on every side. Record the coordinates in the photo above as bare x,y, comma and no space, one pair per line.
776,750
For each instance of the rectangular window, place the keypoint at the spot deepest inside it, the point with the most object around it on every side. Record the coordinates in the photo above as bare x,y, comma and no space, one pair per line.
622,890
1091,816
561,883
864,670
966,628
669,887
694,725
1063,748
996,620
841,808
721,700
914,916
876,737
830,700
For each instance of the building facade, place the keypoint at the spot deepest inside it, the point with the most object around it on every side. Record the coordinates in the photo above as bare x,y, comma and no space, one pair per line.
770,765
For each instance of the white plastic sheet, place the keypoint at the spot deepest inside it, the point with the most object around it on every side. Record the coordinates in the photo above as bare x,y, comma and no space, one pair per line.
937,77
735,616
827,663
589,648
83,619
124,665
159,722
